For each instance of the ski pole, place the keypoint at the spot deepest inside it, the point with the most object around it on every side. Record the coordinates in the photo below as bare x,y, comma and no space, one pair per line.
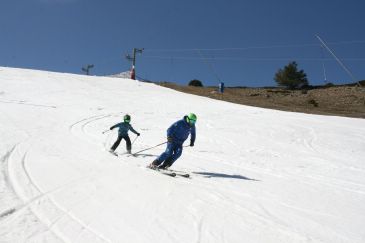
149,148
134,140
105,131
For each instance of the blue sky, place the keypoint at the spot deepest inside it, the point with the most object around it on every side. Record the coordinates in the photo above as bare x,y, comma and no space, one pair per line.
238,42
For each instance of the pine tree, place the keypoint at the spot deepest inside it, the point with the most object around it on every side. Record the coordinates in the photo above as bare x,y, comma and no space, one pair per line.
196,83
290,77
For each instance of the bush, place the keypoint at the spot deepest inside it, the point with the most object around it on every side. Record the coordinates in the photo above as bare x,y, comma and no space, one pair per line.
313,102
196,83
290,77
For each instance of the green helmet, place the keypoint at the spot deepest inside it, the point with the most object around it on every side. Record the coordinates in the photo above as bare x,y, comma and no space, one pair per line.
191,118
127,118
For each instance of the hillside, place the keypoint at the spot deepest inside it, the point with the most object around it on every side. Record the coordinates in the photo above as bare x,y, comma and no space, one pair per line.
338,100
257,175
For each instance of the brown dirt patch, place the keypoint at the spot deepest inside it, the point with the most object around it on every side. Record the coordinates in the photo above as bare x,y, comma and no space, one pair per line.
346,101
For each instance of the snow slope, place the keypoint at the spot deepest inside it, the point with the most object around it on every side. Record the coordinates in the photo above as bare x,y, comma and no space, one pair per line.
258,175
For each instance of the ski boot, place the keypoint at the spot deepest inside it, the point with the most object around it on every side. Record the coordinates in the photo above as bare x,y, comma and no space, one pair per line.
154,165
165,164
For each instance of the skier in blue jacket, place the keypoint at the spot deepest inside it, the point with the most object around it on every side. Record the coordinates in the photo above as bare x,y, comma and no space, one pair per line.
177,133
124,127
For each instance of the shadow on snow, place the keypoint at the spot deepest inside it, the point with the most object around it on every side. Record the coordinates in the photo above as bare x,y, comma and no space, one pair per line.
221,175
143,155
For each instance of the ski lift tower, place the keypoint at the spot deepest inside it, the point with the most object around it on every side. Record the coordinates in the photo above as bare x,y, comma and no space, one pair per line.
87,68
133,59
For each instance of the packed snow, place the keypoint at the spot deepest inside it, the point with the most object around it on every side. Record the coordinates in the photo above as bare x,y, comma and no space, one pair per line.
257,175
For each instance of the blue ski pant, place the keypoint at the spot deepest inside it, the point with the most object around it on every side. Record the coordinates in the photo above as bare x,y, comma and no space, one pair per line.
172,153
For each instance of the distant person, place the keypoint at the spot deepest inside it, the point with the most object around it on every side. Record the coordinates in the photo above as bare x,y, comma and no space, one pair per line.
124,127
177,133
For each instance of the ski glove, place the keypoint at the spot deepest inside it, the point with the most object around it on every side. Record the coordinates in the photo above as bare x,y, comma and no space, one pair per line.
138,134
191,143
169,139
111,128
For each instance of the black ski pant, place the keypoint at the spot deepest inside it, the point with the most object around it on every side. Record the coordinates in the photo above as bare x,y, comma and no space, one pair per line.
127,140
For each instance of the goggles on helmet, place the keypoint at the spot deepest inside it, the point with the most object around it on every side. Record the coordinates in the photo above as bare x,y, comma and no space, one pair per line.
191,121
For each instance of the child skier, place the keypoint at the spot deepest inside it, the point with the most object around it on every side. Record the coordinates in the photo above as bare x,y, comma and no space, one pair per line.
124,127
177,133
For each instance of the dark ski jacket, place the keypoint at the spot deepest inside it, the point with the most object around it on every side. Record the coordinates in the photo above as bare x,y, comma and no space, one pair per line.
124,128
180,130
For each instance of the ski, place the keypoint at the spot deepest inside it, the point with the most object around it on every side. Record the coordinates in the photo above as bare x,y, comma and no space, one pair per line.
124,153
113,153
180,173
119,154
183,175
164,172
176,172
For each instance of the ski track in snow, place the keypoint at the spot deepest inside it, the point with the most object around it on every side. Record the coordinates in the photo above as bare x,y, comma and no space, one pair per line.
8,215
24,186
22,102
21,182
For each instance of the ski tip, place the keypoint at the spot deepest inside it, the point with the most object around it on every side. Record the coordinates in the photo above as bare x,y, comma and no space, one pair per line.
114,153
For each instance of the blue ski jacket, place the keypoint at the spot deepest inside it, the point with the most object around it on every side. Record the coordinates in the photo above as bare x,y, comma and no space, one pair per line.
124,128
180,130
